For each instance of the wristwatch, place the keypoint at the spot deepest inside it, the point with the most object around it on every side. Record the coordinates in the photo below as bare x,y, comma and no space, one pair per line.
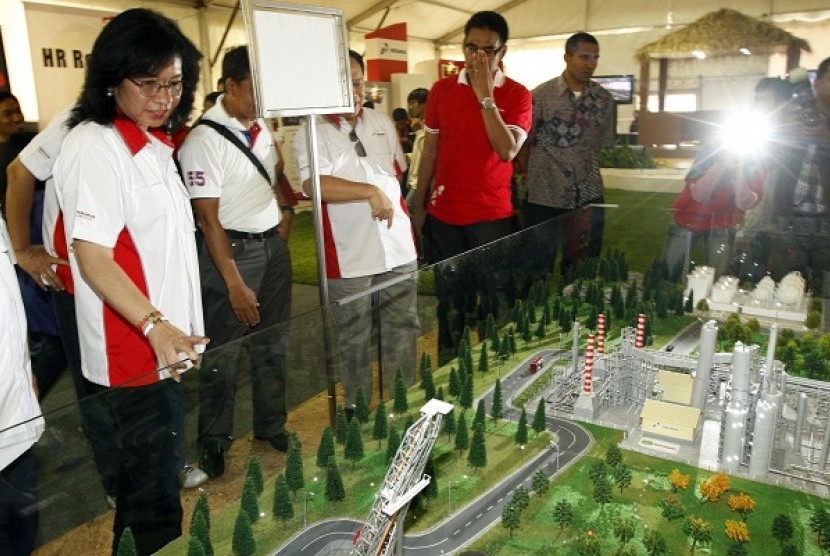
487,103
287,208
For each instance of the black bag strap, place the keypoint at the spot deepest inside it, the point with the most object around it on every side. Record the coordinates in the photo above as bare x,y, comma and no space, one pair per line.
229,135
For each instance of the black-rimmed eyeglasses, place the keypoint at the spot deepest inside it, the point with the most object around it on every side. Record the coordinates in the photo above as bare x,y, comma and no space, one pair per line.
358,146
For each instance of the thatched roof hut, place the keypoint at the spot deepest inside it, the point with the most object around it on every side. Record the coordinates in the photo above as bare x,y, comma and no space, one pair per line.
723,33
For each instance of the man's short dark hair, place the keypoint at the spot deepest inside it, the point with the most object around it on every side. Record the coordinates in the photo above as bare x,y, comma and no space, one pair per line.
572,44
823,68
418,95
236,64
492,21
357,58
399,114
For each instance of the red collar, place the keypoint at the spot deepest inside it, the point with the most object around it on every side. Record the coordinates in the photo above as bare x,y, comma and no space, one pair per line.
335,118
134,136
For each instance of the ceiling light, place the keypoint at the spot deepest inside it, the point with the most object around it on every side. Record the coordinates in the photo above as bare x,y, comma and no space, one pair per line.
745,51
699,54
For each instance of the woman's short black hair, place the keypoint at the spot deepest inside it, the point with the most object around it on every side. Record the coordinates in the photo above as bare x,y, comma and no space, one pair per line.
135,43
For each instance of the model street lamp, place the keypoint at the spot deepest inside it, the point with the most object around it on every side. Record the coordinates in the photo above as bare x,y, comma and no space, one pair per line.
307,496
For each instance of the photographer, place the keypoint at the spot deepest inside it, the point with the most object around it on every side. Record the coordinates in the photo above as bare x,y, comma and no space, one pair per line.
726,179
799,187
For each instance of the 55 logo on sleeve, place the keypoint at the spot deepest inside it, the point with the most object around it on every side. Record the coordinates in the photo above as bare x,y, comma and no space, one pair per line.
195,178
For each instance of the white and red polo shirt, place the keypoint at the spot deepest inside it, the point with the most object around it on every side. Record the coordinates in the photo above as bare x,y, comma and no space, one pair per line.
472,184
212,167
355,243
118,187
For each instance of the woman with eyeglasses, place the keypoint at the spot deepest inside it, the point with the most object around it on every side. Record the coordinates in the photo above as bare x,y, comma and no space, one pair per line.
127,218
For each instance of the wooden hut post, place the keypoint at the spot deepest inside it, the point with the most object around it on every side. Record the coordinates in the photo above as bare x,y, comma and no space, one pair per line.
663,84
645,81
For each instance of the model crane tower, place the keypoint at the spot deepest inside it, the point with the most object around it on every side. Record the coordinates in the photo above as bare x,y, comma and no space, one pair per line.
382,535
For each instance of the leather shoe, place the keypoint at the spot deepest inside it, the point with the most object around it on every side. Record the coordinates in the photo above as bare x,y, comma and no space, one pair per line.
279,441
212,460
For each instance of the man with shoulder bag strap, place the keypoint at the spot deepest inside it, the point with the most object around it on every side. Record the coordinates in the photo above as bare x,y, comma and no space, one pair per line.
230,167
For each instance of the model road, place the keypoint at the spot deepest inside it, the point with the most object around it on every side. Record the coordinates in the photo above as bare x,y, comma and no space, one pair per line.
473,519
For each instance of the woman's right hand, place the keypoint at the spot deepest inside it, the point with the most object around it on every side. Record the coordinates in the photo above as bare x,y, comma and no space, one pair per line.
173,348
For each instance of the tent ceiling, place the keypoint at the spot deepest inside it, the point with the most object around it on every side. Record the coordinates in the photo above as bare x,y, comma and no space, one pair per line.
442,21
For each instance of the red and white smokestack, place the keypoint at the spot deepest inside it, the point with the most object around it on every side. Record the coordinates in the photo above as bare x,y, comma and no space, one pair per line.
639,341
588,374
601,334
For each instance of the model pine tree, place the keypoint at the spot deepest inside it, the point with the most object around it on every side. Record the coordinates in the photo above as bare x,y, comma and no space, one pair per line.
326,448
477,458
613,455
199,530
202,506
195,548
294,474
466,399
497,407
455,384
428,384
361,406
521,429
249,501
341,425
540,482
622,476
480,415
126,544
426,364
431,490
521,498
448,424
511,518
381,425
439,395
283,509
462,436
335,491
393,442
483,360
539,417
401,404
254,472
563,514
243,543
353,450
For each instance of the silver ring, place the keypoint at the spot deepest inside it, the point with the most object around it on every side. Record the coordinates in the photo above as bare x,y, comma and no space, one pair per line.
43,278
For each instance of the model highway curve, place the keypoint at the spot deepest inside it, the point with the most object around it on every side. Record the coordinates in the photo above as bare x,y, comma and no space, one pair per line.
475,518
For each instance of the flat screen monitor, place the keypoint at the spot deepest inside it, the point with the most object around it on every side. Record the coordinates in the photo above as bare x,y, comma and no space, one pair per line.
621,87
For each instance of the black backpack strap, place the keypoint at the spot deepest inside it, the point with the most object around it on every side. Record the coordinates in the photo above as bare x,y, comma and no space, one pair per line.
229,135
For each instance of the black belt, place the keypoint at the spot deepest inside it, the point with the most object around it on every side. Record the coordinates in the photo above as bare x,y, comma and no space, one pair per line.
259,236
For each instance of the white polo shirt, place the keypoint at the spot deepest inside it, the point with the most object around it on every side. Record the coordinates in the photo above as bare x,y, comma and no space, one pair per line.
356,244
118,187
18,404
39,157
214,168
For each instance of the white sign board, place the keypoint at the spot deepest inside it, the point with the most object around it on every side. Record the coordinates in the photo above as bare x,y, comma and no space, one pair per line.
299,58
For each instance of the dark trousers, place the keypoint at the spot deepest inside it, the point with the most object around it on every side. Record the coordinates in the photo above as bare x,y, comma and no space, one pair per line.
265,266
48,360
577,232
18,506
150,431
456,281
96,415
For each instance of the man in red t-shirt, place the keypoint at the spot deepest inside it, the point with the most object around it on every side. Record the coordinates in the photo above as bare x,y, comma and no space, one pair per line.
475,124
